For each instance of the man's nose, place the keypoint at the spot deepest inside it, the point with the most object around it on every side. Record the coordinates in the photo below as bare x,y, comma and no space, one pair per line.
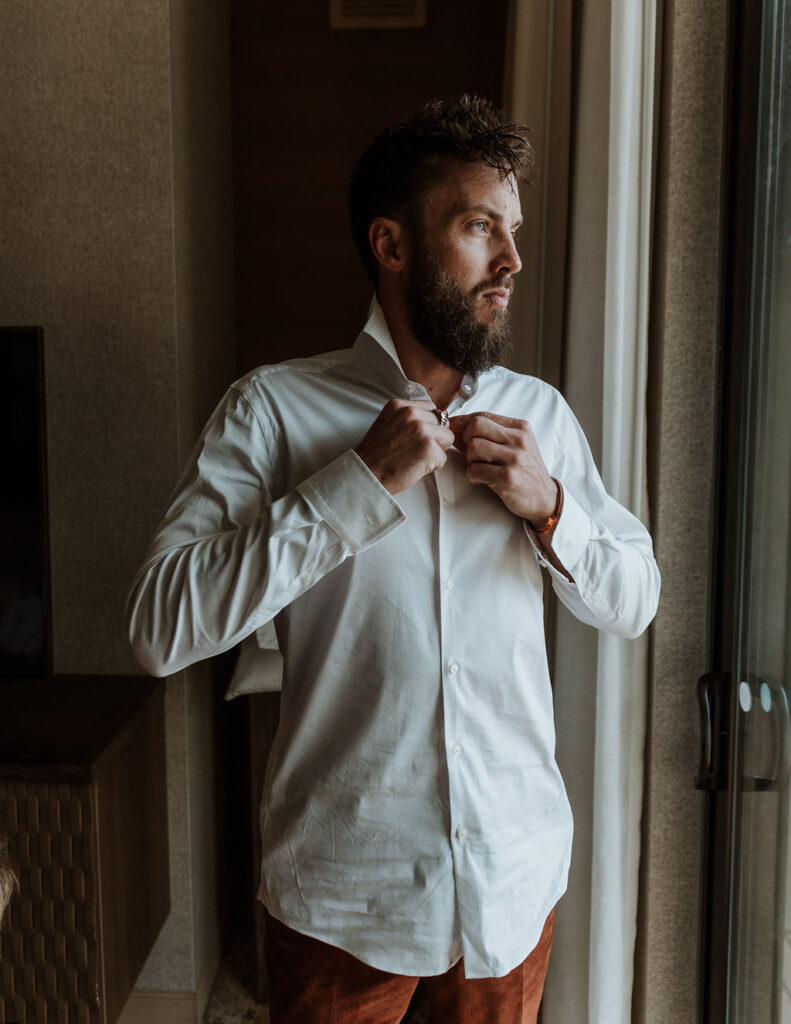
507,259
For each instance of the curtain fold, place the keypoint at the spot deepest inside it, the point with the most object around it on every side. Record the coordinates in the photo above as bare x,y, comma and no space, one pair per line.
600,680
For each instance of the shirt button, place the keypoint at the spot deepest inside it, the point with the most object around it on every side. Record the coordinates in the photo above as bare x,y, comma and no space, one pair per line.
445,501
457,750
453,668
306,579
410,387
449,584
461,832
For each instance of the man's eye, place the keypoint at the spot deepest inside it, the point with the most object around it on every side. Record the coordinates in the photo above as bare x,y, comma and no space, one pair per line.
479,225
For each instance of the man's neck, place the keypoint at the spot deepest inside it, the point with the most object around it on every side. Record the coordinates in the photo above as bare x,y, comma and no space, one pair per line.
418,364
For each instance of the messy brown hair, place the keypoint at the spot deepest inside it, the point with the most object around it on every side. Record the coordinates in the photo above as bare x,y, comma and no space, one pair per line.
398,167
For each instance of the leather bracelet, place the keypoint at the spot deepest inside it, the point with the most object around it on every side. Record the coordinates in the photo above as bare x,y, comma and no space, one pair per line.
555,514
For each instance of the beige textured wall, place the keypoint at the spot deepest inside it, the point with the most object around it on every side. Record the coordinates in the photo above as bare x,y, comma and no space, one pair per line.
115,204
682,420
86,250
202,209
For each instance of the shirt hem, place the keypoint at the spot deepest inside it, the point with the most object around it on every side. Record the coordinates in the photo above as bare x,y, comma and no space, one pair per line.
380,964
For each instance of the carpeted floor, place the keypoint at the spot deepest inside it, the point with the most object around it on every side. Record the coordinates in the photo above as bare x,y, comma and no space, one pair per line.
232,1000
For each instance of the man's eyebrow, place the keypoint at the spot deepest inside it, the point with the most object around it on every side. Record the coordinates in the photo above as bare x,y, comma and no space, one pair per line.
489,211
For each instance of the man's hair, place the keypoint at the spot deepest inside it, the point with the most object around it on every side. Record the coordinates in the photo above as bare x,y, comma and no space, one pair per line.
394,173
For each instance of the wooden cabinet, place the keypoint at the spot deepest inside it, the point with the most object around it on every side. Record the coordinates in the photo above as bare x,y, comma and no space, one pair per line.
84,806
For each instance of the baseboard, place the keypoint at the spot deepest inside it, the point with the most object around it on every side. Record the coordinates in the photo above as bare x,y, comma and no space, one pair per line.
146,1007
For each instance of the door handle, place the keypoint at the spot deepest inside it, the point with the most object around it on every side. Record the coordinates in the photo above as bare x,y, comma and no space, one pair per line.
713,690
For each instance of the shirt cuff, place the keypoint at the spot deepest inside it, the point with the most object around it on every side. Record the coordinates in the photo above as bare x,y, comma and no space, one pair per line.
352,501
572,535
573,532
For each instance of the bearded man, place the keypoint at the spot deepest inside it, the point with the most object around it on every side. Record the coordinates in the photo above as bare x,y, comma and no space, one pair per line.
391,507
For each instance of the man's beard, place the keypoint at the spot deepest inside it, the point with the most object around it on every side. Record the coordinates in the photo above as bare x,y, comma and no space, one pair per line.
443,317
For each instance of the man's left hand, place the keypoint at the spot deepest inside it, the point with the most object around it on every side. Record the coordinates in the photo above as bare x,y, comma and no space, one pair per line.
503,454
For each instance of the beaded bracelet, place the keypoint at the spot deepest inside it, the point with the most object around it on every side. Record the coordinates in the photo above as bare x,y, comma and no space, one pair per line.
555,514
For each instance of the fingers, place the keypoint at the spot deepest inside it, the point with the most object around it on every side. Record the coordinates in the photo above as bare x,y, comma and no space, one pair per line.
507,481
408,414
479,449
460,423
489,473
501,430
404,443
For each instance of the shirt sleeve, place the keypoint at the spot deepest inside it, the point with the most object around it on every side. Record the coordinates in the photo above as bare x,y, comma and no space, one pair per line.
605,548
232,550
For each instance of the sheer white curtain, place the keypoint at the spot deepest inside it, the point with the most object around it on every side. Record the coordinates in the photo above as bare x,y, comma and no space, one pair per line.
601,681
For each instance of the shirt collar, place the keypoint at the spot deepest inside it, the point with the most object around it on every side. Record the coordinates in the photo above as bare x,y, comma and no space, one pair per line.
375,347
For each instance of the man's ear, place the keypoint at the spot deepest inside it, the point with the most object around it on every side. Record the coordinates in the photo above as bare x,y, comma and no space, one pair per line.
387,239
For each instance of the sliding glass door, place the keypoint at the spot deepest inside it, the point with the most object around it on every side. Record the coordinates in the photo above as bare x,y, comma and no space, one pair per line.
747,963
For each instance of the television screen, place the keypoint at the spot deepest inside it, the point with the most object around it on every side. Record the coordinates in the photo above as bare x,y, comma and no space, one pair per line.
24,568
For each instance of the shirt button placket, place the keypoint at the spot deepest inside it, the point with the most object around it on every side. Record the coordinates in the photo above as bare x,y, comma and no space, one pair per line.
449,641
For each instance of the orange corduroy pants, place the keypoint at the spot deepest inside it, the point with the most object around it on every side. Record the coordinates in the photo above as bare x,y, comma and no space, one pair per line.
311,982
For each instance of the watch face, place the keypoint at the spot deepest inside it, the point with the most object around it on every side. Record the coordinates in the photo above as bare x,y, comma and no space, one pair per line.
24,586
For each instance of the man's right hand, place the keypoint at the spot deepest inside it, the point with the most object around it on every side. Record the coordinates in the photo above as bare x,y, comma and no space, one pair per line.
404,444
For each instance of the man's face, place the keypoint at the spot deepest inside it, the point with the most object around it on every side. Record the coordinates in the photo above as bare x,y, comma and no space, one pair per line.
461,266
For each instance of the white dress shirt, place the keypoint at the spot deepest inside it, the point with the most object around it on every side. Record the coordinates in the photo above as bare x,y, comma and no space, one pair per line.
413,811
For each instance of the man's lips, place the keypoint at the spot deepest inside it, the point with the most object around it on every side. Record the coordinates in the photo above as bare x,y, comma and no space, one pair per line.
498,296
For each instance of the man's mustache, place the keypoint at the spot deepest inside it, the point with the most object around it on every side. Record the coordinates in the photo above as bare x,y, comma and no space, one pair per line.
502,281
